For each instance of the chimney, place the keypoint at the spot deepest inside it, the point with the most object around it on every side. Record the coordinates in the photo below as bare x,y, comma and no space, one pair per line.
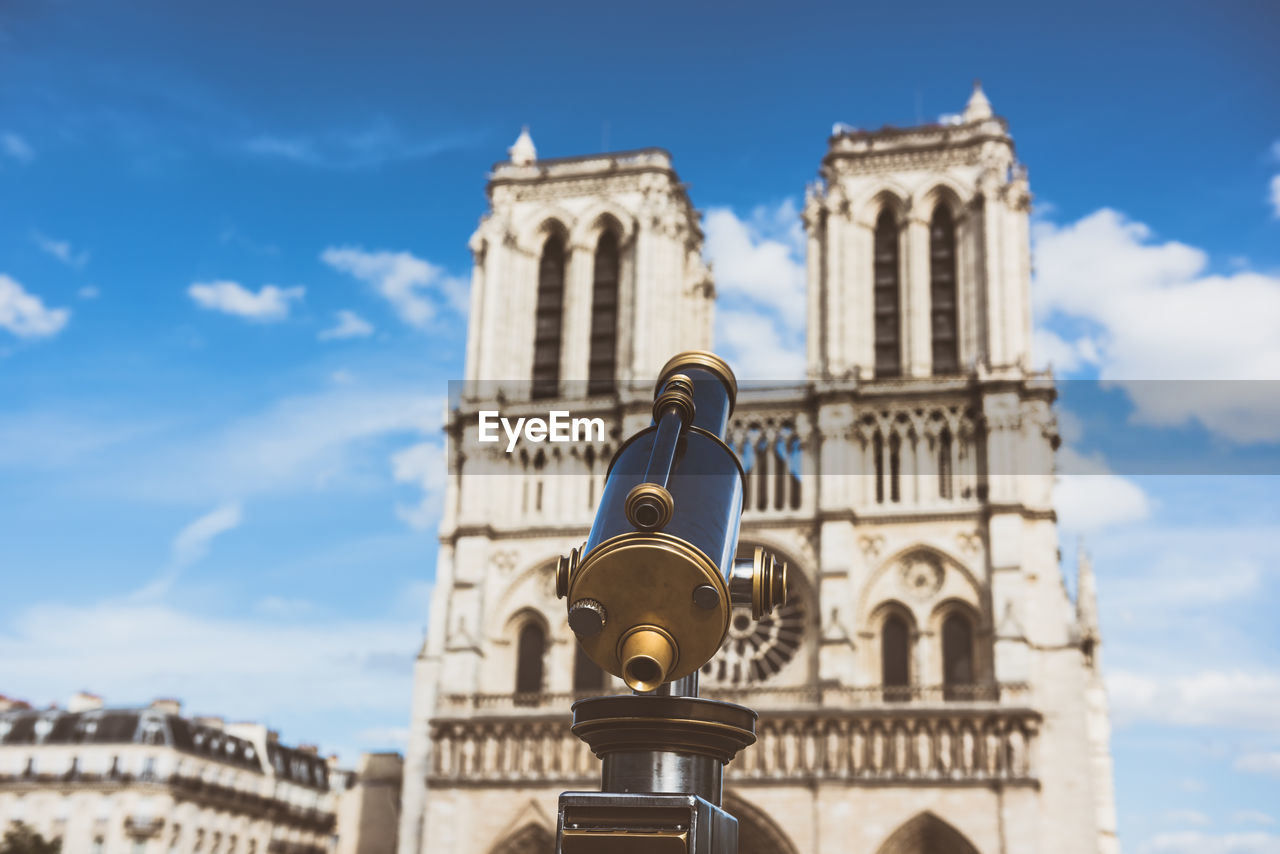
309,749
211,721
83,701
167,705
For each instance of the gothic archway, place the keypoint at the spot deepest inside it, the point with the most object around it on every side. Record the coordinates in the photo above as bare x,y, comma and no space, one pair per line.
927,834
757,832
530,839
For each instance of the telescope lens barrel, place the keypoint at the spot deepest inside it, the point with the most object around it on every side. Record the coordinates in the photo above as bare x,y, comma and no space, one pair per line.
650,595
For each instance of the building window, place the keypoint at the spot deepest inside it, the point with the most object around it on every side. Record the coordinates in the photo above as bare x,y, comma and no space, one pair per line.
98,845
530,651
957,657
587,675
602,369
942,291
895,468
945,488
887,297
877,454
548,317
895,658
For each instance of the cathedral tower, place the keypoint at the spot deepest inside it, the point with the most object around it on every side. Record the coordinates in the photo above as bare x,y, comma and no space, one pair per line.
930,687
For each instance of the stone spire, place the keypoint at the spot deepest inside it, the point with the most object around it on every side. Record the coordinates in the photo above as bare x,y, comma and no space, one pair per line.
979,107
522,152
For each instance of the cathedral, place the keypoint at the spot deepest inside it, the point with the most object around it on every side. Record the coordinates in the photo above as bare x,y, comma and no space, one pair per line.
929,686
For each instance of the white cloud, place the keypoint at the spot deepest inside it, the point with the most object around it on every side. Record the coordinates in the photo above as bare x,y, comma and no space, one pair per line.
1196,842
269,304
349,325
14,146
1090,498
369,147
416,288
89,292
1251,817
753,345
1260,763
339,437
1221,698
758,265
422,465
190,546
1065,357
192,542
60,249
760,259
1275,195
25,315
1193,817
1161,316
243,666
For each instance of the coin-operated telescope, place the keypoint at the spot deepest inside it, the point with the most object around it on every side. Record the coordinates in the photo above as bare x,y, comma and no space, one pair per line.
649,597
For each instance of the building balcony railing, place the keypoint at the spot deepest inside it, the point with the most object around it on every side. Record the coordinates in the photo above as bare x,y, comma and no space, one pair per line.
923,738
183,787
798,697
143,827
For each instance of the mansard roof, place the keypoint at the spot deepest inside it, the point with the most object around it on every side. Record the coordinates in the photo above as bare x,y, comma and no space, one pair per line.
148,726
127,726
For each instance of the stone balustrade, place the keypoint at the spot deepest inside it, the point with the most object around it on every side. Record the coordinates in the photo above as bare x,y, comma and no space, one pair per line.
965,742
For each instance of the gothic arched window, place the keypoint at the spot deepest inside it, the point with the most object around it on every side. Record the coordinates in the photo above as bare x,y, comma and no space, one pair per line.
895,468
602,368
942,291
530,650
945,489
957,656
587,675
895,658
547,318
877,454
887,309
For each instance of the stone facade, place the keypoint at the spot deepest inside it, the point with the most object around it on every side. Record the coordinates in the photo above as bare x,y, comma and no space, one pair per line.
368,804
930,686
148,780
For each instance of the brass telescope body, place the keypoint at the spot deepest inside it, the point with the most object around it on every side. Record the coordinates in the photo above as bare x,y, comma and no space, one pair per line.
649,597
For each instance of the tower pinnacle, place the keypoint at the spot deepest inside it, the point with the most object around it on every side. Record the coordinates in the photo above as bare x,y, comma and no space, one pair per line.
979,107
522,151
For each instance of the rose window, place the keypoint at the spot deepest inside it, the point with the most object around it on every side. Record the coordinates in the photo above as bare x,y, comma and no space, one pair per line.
754,651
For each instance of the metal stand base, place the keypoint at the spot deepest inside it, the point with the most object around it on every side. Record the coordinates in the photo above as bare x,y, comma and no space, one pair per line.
661,778
607,823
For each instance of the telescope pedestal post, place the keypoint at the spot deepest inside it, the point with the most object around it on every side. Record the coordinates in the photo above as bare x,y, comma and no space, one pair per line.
663,759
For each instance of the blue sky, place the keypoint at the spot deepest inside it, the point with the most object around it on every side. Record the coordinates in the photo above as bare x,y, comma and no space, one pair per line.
232,249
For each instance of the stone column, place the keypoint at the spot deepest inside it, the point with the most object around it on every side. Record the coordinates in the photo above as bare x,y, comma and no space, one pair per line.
917,338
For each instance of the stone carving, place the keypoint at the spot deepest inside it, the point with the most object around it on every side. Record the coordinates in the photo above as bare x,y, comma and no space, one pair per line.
871,545
971,746
504,561
921,575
